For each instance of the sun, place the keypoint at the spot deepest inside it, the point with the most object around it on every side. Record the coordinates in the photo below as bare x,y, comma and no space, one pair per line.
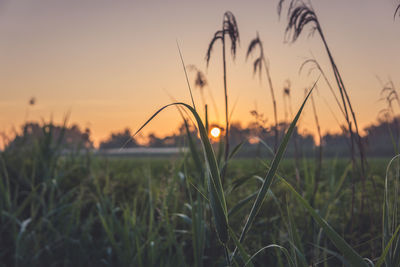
215,132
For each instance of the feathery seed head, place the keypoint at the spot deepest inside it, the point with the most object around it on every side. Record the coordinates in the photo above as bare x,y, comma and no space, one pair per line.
229,27
299,15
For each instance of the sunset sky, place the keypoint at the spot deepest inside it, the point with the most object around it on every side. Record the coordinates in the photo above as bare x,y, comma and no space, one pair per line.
111,64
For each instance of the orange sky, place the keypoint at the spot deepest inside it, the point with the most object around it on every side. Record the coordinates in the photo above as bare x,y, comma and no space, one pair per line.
111,64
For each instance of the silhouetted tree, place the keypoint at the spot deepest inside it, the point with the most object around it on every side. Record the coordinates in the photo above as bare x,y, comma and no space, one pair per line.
382,138
121,139
60,135
154,141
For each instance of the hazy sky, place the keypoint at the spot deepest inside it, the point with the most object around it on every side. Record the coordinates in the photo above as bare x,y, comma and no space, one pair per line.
111,64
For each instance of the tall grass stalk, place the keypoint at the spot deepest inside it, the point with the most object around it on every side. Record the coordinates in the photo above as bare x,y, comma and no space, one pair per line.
349,253
258,66
391,217
270,174
216,193
319,154
202,83
301,14
315,65
230,28
215,190
288,104
389,95
186,76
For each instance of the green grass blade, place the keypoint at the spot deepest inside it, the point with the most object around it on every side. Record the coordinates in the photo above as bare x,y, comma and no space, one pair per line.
193,150
217,197
284,250
231,155
236,150
386,250
270,150
243,180
187,79
348,252
295,241
271,172
220,152
196,222
389,216
243,253
332,253
301,261
241,204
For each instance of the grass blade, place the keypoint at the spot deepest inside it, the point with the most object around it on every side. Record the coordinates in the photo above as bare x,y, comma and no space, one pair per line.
241,204
217,197
295,243
236,150
243,253
187,79
193,149
271,172
390,215
386,250
284,250
349,253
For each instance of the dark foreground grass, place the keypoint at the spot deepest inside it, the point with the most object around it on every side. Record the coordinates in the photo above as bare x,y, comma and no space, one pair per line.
82,210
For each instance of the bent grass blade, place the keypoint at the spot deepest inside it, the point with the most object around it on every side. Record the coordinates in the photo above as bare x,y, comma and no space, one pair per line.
271,172
217,198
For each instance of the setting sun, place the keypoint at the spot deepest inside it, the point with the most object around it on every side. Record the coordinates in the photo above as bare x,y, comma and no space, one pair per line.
215,132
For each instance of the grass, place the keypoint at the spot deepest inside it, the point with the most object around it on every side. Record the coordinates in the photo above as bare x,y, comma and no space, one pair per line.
77,209
93,211
82,210
136,212
230,29
258,66
57,209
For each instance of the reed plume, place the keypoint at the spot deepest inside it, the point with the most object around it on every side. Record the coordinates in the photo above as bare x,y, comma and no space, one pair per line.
301,14
258,64
229,28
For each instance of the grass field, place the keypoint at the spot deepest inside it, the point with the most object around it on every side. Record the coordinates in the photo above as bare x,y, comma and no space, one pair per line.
63,206
85,210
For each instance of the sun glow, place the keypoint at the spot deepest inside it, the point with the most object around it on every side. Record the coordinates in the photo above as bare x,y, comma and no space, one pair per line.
215,132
